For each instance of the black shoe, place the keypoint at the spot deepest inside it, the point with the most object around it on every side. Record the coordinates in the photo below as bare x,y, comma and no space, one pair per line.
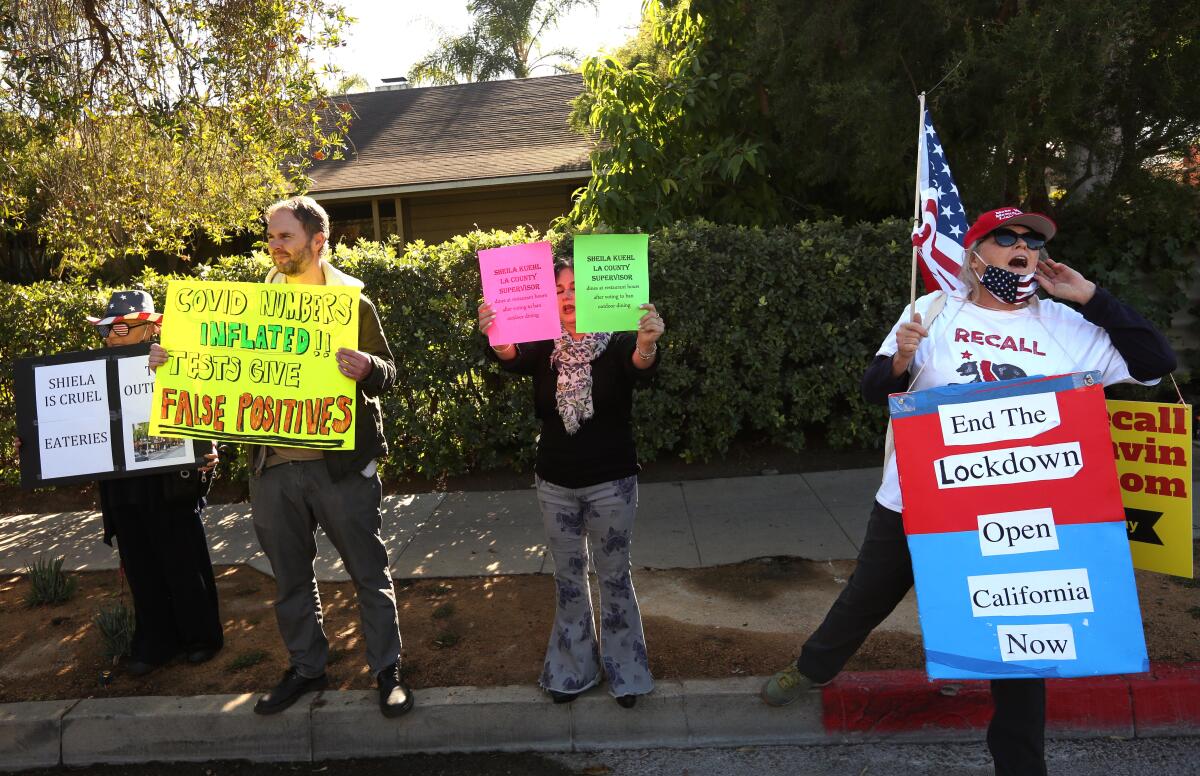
288,691
394,696
563,697
139,667
627,701
197,656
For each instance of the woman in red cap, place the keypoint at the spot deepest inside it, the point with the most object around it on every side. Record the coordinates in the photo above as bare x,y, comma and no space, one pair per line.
993,328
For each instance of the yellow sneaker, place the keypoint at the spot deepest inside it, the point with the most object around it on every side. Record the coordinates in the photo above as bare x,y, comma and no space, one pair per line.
786,686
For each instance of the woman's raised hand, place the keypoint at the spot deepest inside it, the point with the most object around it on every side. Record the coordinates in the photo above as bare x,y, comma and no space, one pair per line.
650,327
487,317
1062,282
908,339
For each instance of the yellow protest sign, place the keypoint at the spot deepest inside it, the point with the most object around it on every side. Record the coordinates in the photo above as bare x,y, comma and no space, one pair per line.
1153,447
254,362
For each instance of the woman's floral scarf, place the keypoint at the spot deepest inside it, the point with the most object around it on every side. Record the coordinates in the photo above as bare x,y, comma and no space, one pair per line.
572,359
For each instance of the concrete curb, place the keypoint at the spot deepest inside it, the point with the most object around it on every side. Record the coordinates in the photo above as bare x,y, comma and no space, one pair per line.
886,705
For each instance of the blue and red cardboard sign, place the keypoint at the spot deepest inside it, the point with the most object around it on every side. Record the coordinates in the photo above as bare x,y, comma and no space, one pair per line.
1014,520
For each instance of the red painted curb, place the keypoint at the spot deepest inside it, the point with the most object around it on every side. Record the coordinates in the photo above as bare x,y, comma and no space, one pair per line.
903,701
1165,701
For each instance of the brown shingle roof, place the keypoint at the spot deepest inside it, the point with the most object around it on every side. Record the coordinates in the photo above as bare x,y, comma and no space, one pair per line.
466,132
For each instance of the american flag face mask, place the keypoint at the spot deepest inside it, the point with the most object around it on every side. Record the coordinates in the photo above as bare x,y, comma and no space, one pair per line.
1008,286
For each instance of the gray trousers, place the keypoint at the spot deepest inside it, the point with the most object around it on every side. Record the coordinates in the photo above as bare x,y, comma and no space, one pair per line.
575,656
289,501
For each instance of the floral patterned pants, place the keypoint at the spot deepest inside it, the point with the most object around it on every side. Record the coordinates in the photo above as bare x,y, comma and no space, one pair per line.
604,513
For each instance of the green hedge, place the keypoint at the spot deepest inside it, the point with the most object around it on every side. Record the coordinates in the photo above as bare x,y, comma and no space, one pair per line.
767,335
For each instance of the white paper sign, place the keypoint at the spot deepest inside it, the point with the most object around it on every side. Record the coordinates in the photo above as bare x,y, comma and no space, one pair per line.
1036,642
1062,591
1012,533
998,420
73,419
143,451
1009,465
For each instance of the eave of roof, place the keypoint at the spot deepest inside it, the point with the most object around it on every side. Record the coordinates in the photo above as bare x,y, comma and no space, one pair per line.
456,136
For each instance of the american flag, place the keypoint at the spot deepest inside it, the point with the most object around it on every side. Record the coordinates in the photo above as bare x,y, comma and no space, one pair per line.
938,236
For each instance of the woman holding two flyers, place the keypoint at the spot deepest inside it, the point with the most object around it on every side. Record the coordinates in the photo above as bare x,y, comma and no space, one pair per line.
586,470
994,329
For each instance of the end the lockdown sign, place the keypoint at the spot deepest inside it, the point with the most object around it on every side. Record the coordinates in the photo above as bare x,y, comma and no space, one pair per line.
254,362
612,281
1016,529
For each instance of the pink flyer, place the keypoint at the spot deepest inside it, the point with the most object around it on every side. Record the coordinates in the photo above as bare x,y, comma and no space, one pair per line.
518,281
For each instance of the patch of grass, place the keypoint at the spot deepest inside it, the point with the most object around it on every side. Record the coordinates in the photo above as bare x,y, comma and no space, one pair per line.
443,611
116,629
48,584
446,640
442,590
246,660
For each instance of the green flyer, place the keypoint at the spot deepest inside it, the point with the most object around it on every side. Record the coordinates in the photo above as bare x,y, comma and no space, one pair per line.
612,279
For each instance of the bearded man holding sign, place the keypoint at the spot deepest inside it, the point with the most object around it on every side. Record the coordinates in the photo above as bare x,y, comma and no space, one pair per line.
995,329
293,489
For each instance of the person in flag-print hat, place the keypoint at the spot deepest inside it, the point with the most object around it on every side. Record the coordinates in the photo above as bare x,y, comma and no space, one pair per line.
155,518
994,328
128,309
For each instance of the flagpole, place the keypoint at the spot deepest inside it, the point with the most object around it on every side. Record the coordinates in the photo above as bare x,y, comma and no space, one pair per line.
912,291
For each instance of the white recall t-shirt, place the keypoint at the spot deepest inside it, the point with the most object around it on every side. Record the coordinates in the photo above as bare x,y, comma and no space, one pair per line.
970,344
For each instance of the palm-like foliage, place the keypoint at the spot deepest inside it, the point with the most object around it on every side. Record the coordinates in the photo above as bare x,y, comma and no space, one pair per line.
502,40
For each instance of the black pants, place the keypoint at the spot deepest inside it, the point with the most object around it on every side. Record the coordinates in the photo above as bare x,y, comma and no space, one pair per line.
1017,734
165,556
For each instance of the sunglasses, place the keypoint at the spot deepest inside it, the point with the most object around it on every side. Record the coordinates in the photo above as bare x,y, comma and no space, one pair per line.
120,329
1007,238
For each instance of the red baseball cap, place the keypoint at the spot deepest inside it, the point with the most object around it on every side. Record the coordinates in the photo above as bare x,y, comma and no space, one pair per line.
1004,216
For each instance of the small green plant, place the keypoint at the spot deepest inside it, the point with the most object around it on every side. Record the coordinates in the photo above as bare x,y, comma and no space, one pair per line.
47,582
116,628
247,659
447,639
443,611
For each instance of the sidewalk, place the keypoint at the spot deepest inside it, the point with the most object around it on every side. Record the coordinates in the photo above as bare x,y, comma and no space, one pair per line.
691,524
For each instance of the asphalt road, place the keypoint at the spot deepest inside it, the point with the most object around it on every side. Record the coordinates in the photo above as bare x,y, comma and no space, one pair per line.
1096,757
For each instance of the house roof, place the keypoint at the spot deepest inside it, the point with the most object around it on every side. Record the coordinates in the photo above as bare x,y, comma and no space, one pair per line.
417,138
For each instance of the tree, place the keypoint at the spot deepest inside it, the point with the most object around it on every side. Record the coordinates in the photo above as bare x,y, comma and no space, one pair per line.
350,84
130,126
684,130
783,109
502,40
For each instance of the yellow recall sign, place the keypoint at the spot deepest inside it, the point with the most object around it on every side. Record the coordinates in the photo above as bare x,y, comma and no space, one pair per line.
1153,448
254,362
